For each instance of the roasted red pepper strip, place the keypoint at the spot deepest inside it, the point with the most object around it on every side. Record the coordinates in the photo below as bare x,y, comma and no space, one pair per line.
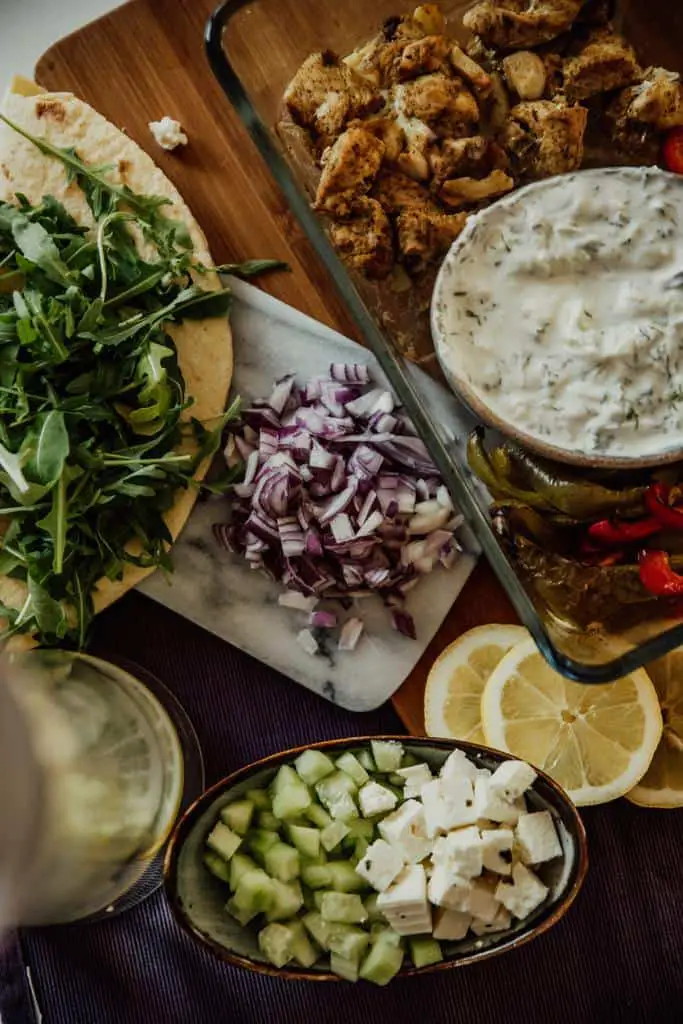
657,576
617,533
657,502
673,150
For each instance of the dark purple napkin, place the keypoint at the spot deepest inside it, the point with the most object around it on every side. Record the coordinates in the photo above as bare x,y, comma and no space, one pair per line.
617,956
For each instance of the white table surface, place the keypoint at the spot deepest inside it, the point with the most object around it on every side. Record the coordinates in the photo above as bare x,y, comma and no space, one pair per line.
28,27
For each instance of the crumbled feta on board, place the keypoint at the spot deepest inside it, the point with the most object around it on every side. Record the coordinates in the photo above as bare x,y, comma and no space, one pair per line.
168,133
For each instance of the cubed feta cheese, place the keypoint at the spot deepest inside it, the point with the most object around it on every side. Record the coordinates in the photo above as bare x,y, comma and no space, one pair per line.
405,903
462,852
430,794
458,804
406,829
168,133
523,894
458,766
511,779
492,807
482,901
450,925
415,778
375,799
446,890
497,850
381,865
500,923
536,838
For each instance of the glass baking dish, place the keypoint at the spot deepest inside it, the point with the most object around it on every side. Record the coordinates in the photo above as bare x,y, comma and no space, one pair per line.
255,47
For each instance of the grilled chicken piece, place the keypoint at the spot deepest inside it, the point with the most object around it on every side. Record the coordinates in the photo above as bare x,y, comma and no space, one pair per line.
349,168
443,103
544,138
424,233
423,57
514,24
460,192
396,191
379,61
605,62
475,157
469,69
387,131
324,95
365,240
657,100
525,74
429,17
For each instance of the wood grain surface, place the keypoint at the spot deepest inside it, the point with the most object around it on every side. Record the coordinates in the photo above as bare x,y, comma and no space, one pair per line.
146,59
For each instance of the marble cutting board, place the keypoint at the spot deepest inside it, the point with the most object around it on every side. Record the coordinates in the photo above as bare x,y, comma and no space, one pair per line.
218,591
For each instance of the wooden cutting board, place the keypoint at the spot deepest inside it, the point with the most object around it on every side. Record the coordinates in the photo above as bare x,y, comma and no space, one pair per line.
146,59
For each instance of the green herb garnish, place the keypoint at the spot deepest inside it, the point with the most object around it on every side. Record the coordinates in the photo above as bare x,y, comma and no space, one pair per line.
91,394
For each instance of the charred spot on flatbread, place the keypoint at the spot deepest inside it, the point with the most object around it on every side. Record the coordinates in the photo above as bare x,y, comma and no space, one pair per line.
52,109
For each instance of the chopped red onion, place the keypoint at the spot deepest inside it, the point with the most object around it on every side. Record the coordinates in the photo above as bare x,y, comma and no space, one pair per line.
403,622
350,634
339,497
322,620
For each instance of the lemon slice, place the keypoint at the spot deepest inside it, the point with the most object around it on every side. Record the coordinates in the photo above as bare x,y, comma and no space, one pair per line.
662,784
457,678
597,742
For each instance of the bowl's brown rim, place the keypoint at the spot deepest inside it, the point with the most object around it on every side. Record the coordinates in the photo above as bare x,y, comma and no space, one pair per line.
573,822
472,398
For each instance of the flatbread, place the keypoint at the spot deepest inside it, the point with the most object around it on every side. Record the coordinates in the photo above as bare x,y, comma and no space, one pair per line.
205,353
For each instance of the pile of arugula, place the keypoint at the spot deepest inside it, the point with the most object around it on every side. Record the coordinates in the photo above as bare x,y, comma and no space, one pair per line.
91,394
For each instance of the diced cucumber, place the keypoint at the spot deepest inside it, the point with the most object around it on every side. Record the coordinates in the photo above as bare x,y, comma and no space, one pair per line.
313,765
321,858
259,840
255,892
309,897
347,940
346,969
306,840
303,950
318,815
318,898
239,865
268,821
336,794
384,933
315,926
350,764
238,816
409,760
375,916
361,829
223,841
275,942
388,754
332,835
288,900
366,759
281,861
316,876
396,780
218,866
243,916
382,963
359,850
424,951
291,796
344,878
346,908
260,798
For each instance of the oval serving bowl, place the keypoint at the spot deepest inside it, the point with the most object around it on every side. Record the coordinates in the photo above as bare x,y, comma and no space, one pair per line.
458,379
197,899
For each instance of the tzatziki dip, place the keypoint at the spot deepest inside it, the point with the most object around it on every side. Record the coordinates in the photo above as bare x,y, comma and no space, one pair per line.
561,309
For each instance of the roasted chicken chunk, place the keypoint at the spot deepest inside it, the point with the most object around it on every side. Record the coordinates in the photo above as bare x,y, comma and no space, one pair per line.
657,100
511,24
474,157
388,131
325,94
365,240
349,168
605,62
379,61
445,104
423,57
544,138
424,232
459,192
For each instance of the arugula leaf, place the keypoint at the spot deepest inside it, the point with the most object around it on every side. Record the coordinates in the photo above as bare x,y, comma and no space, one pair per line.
13,471
37,245
47,448
252,268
